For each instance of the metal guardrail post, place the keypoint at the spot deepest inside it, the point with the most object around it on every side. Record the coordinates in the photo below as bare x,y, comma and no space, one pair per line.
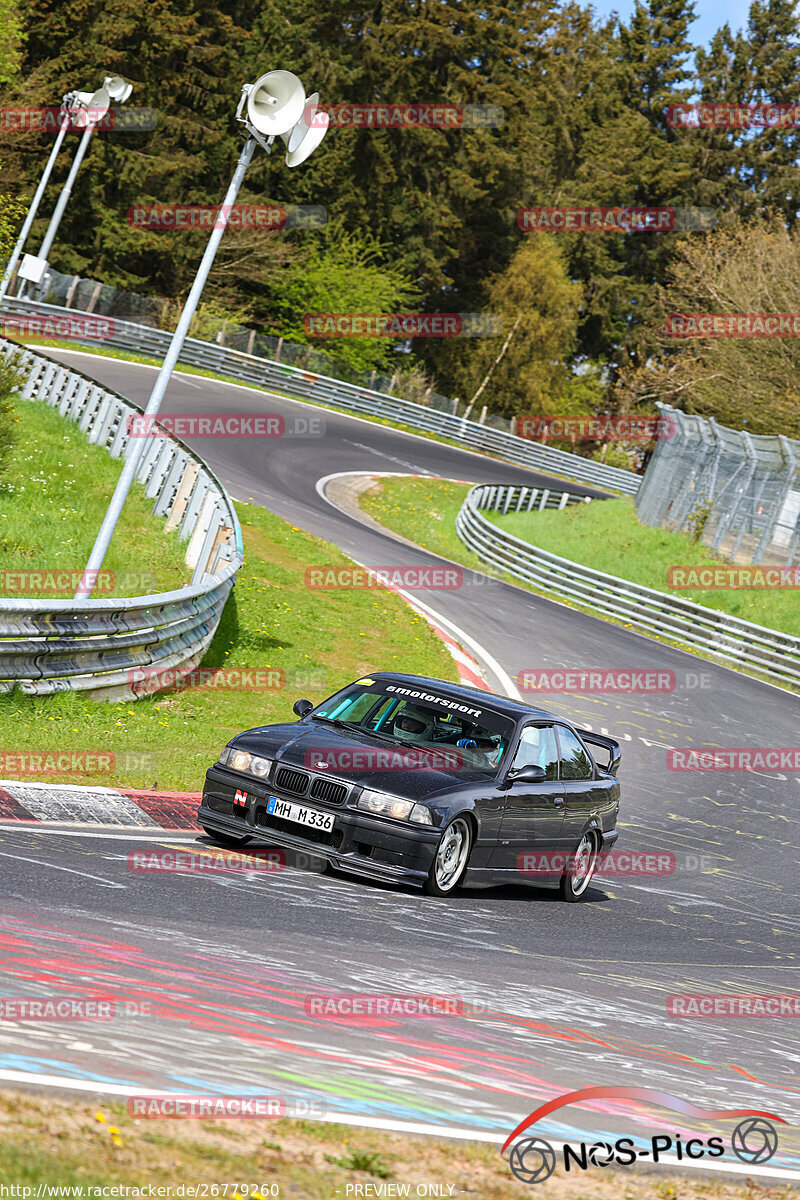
321,389
726,638
95,645
790,475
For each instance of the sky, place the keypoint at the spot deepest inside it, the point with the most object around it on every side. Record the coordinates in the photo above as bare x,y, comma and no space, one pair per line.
710,15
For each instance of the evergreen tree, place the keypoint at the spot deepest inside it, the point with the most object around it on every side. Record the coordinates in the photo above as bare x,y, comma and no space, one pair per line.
771,156
533,375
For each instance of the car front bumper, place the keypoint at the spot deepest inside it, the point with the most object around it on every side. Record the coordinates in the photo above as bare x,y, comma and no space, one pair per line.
358,843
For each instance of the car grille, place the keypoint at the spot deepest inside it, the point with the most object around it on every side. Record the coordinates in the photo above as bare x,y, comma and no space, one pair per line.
329,791
267,821
291,781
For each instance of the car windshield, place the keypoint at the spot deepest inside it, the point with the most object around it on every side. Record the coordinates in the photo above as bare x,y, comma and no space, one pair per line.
474,739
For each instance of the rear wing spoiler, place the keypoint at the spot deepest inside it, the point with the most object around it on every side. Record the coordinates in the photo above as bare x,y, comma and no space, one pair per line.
605,743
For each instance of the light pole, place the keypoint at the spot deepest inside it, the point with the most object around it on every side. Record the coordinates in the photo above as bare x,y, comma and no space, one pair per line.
274,106
66,116
88,111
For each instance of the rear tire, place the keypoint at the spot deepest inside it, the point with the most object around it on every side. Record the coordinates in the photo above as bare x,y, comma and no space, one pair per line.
450,862
225,839
576,879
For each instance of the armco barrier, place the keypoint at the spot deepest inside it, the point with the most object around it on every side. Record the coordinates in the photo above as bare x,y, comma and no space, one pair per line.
93,645
320,389
729,639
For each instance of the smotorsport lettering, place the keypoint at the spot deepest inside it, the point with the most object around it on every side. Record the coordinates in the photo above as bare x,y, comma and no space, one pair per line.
453,704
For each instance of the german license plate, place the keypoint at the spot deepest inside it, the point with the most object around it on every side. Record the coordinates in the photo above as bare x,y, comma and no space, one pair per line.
300,814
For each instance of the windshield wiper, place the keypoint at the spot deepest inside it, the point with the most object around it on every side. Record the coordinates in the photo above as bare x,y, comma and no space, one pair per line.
356,728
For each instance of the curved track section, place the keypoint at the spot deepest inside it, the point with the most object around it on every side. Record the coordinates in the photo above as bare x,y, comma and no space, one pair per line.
559,997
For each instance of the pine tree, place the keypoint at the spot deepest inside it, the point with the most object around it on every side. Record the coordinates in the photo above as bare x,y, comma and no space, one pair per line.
771,156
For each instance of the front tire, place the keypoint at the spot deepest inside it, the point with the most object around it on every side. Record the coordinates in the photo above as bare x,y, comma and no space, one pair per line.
452,855
225,839
576,879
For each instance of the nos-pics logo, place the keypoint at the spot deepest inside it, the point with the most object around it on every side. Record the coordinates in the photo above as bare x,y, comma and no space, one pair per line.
533,1159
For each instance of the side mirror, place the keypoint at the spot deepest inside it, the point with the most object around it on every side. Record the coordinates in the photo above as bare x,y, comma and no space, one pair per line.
302,708
530,773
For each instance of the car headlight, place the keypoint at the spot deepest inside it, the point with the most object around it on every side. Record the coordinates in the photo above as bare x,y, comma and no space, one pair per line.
242,760
391,806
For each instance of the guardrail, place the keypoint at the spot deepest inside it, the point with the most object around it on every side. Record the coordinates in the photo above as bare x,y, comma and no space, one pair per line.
321,389
511,497
101,646
727,638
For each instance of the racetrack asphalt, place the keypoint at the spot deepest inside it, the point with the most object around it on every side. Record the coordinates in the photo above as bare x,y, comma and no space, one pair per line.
564,996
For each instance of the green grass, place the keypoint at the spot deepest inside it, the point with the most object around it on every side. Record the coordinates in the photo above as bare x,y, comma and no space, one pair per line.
305,642
425,510
70,1143
607,535
361,1160
54,491
316,640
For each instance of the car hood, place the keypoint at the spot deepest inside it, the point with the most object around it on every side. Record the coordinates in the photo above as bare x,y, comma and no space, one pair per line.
357,758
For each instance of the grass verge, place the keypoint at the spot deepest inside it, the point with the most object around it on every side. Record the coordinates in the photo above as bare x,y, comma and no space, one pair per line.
604,534
47,1143
305,641
54,489
608,536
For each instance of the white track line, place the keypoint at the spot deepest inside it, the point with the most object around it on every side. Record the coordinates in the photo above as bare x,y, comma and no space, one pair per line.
322,406
390,1125
147,835
482,654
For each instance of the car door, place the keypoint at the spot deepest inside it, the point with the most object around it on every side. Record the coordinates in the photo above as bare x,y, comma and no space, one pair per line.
583,791
533,813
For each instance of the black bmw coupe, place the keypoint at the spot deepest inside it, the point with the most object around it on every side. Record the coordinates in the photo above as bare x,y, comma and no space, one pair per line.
419,782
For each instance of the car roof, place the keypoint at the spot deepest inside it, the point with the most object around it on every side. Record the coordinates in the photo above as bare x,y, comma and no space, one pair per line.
458,691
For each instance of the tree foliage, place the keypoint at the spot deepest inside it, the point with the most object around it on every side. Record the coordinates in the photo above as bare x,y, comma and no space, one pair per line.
751,382
424,212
